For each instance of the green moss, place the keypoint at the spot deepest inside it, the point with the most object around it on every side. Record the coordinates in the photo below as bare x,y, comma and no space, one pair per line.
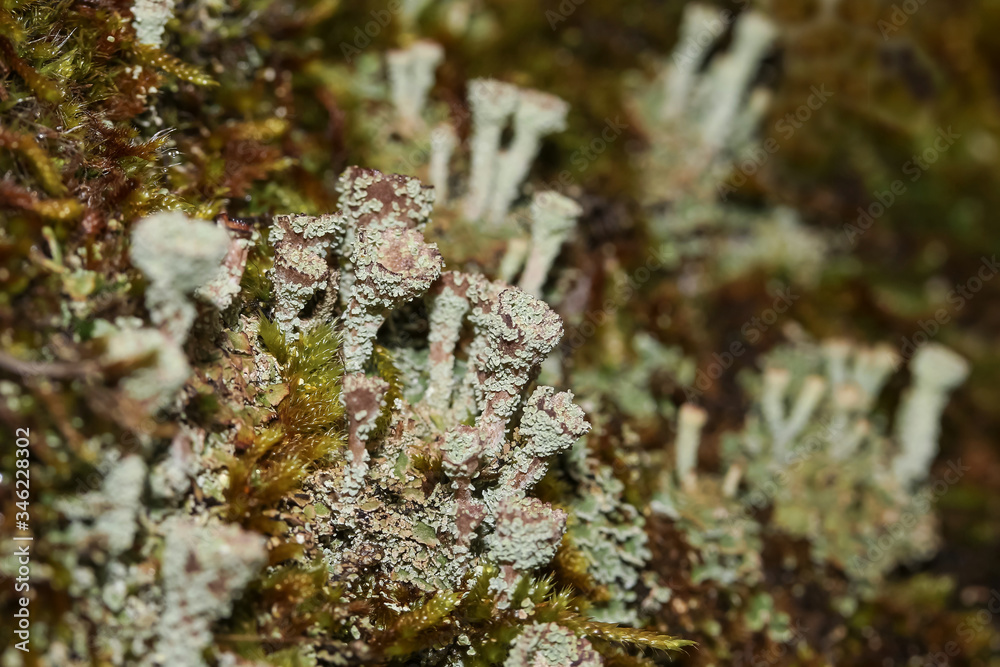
387,371
309,426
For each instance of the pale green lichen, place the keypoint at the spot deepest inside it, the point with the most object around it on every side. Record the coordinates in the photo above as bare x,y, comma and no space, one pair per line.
491,102
496,173
550,645
698,31
151,17
384,259
527,533
551,423
518,332
110,514
384,511
178,255
690,421
223,288
448,310
536,115
411,76
444,140
553,217
363,399
203,569
610,533
161,366
300,270
721,92
936,372
392,266
814,449
703,118
408,520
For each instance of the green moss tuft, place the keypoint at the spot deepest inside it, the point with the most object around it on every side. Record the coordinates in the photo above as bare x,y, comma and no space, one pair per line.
387,371
309,426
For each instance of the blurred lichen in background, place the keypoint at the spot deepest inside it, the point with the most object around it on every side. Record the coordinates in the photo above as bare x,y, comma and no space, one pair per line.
499,333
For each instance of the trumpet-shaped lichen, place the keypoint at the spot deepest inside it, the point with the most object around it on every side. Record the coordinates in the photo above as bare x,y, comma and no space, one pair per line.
178,255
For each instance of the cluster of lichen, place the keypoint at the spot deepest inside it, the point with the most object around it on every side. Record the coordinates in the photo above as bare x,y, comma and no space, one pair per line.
302,441
418,521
